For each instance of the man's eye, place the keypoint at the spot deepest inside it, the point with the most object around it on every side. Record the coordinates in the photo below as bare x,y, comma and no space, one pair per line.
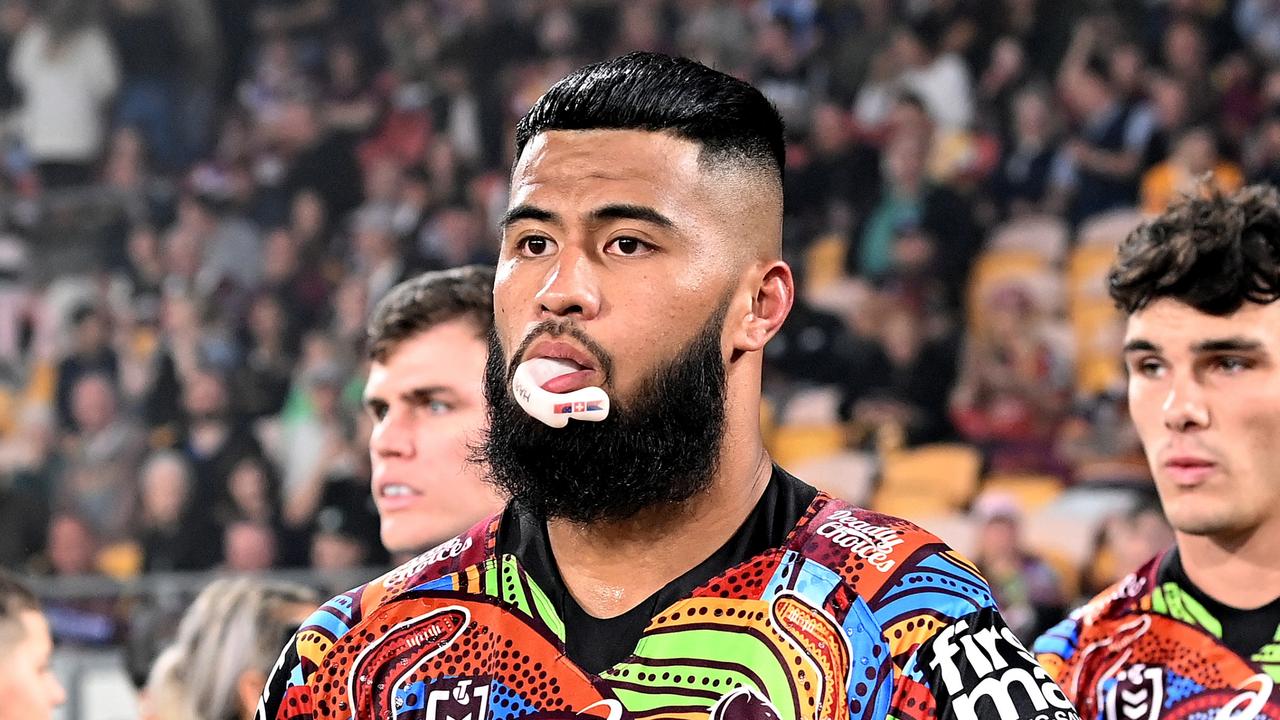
378,411
628,246
535,245
1149,368
1232,365
439,407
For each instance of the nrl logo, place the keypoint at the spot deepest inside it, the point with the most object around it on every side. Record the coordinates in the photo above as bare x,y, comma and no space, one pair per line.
1138,694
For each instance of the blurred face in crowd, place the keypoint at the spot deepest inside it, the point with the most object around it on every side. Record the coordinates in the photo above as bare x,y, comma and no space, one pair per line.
1204,393
28,685
630,258
206,396
164,491
93,403
71,546
427,405
249,547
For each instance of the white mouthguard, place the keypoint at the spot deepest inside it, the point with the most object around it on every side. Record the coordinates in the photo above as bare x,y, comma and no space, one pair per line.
556,409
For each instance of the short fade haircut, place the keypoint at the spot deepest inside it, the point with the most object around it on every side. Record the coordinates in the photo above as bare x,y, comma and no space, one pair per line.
430,299
731,120
15,599
1209,251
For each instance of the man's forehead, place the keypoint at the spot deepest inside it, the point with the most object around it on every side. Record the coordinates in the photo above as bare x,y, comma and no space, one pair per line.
1176,325
566,156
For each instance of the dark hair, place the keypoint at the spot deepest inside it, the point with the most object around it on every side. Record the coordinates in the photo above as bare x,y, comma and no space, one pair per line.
731,120
1209,251
15,598
421,303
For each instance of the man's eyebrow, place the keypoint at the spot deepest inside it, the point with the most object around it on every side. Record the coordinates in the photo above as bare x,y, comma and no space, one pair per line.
627,211
1231,344
423,395
1140,346
527,212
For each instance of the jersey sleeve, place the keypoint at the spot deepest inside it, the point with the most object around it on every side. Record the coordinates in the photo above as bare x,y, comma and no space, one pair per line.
975,667
287,695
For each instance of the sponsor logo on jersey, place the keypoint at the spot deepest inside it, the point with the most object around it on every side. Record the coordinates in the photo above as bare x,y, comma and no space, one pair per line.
870,542
986,673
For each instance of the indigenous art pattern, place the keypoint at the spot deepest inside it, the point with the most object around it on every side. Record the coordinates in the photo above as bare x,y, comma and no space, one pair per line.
857,615
1145,649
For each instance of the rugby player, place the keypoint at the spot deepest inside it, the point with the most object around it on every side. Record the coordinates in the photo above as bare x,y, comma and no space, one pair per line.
425,396
653,562
29,689
1195,632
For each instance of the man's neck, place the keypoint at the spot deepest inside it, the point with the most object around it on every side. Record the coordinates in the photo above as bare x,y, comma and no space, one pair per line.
1241,571
609,568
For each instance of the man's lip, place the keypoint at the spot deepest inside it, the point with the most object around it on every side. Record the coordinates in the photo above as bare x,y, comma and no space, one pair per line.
561,350
1188,461
391,503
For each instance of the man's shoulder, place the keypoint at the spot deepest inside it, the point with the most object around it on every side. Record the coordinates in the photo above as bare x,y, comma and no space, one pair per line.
898,569
340,614
1099,616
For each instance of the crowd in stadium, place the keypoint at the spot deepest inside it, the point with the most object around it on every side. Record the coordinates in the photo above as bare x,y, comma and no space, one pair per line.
955,170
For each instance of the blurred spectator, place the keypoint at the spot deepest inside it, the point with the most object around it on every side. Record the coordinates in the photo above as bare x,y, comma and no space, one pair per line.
1103,159
99,480
1258,23
229,245
25,518
1195,156
261,383
212,439
349,105
1027,590
1022,185
174,535
909,199
1012,389
66,69
1099,444
936,74
254,494
315,445
920,373
344,537
71,548
225,645
249,547
91,353
30,689
1123,540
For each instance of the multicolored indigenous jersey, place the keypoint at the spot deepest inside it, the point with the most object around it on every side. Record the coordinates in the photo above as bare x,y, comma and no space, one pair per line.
1155,646
852,615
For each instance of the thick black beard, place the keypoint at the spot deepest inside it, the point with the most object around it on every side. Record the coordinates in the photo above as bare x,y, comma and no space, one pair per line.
662,446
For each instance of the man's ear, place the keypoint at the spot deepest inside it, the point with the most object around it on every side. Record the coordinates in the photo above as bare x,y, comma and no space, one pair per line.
773,293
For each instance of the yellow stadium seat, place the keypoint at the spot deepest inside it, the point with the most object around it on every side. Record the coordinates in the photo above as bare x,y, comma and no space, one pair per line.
1068,572
1045,235
824,262
1031,491
910,505
1110,228
794,444
946,471
1087,272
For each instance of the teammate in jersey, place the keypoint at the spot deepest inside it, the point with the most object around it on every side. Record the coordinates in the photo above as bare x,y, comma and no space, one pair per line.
655,563
1195,633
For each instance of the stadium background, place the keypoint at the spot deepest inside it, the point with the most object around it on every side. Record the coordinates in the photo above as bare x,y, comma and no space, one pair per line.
202,199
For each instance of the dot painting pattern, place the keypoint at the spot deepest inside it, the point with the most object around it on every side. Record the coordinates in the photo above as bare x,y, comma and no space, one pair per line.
1122,651
825,626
